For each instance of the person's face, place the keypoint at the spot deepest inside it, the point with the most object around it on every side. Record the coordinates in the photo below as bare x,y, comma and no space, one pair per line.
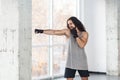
71,24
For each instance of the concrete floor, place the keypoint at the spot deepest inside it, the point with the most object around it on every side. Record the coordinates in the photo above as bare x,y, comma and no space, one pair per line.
96,77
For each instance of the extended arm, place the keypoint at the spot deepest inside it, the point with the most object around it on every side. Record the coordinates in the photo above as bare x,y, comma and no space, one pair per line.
53,32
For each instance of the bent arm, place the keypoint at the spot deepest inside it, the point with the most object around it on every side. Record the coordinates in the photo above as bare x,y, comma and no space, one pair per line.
83,40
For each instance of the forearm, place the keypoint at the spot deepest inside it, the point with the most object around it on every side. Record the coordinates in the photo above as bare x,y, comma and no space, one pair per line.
80,42
53,32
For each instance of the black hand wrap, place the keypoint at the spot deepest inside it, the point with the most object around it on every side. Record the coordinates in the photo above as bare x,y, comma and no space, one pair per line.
74,33
39,31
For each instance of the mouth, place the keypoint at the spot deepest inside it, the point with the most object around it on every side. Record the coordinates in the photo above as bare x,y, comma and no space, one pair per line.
71,27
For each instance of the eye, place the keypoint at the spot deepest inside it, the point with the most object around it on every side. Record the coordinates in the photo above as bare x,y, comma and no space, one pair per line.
70,23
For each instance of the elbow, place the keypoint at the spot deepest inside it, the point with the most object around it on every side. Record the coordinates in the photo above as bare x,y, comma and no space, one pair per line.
81,46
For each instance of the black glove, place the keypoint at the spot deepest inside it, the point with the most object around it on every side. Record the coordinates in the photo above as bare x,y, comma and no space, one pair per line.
39,31
74,32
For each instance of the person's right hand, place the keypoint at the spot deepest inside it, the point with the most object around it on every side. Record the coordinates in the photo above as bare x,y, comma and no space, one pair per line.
39,31
74,32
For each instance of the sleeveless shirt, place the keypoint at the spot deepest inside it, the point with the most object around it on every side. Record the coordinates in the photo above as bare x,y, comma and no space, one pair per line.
76,57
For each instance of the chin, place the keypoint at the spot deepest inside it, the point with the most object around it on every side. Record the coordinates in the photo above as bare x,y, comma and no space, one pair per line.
72,27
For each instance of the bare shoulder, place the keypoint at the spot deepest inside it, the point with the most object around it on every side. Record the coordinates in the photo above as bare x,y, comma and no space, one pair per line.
85,33
67,32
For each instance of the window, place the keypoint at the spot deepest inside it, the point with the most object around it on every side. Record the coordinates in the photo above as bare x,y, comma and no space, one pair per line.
49,53
62,10
40,43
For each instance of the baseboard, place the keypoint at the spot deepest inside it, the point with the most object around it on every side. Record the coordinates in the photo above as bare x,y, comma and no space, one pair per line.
94,72
61,76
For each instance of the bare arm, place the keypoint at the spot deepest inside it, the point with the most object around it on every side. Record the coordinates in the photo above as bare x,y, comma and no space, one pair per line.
83,40
55,32
65,32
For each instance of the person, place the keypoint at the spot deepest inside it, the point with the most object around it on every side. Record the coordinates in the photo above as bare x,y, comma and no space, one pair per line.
78,37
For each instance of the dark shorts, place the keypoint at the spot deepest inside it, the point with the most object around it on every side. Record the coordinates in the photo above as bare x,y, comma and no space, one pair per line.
70,73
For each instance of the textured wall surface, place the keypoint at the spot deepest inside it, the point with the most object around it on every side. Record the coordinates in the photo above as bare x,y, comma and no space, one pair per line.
15,39
118,3
25,43
112,32
9,40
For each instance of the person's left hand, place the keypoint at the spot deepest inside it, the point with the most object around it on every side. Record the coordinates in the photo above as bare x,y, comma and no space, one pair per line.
74,32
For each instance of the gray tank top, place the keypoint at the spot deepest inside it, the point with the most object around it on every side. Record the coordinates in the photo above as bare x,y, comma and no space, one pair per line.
76,58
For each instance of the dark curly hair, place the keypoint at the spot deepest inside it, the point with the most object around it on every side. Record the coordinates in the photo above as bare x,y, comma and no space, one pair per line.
77,23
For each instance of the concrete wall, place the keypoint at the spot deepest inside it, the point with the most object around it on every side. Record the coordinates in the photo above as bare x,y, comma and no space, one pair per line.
9,40
15,40
118,3
25,37
113,36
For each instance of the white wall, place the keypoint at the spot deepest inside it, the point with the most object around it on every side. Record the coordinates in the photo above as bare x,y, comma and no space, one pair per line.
94,21
9,40
15,39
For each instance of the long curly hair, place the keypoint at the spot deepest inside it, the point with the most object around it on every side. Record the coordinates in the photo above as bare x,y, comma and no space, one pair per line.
77,23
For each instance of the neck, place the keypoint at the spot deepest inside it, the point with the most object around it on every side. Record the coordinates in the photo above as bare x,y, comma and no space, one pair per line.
78,30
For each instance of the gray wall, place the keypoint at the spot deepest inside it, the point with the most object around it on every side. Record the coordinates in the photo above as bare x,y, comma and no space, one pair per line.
25,37
113,36
118,3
